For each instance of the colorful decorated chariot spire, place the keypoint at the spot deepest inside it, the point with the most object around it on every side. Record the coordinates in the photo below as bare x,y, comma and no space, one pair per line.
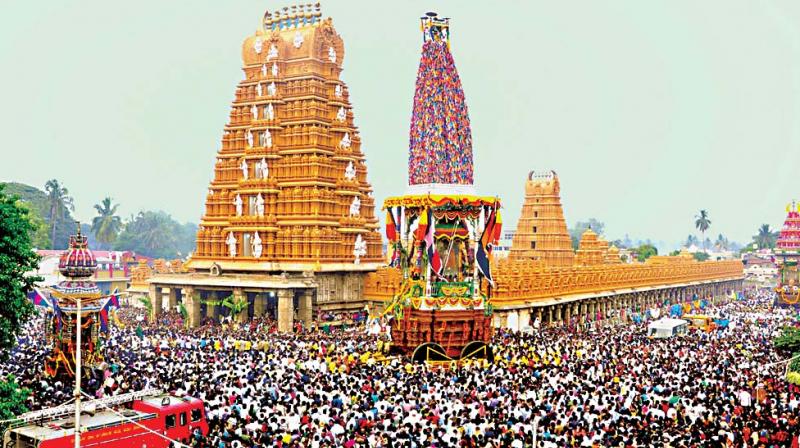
789,238
440,140
77,264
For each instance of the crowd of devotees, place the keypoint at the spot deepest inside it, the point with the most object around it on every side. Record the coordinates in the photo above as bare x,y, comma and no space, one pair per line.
601,384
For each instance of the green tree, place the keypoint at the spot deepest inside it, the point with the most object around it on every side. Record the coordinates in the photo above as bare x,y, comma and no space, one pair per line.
702,223
12,400
106,225
40,236
674,253
701,256
156,234
17,258
576,232
60,204
39,203
766,237
645,251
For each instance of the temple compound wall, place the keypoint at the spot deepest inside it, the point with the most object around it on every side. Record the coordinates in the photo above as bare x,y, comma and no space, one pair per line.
544,280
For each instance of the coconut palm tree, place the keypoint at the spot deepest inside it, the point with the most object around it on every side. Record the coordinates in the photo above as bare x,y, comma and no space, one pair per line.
766,237
60,203
702,223
106,225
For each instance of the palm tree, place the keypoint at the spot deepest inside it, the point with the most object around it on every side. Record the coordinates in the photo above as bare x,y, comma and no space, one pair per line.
60,204
766,237
702,223
106,225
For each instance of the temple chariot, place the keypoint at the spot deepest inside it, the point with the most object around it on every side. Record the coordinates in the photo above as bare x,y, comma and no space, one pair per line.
441,232
787,255
76,313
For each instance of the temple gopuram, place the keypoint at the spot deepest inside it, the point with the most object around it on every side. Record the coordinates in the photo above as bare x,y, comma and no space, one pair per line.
541,230
289,225
787,255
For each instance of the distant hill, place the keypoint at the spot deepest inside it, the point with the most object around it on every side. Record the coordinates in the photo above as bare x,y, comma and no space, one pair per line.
36,199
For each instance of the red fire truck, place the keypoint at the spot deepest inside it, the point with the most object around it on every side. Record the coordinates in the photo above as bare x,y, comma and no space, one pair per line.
146,419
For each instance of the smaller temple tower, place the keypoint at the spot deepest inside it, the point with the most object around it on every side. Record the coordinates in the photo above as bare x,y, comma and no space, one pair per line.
542,231
592,250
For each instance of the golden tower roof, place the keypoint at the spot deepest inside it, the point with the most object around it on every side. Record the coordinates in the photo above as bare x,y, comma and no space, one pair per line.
290,189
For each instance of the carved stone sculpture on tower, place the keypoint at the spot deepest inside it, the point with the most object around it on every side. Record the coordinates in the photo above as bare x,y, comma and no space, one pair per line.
355,207
331,54
257,245
238,203
231,242
260,205
254,111
250,139
258,45
266,139
271,89
244,168
345,142
263,72
270,111
298,40
359,249
274,69
341,115
258,88
273,52
350,171
263,169
338,91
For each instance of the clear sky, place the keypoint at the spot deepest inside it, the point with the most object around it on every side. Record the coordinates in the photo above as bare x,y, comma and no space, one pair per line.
648,110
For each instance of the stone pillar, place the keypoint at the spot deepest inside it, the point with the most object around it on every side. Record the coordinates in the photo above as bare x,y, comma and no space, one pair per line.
238,296
538,316
568,313
173,298
306,306
285,310
156,300
558,313
549,314
191,300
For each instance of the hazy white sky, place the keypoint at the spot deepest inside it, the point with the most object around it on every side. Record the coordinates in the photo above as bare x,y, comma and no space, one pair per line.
648,110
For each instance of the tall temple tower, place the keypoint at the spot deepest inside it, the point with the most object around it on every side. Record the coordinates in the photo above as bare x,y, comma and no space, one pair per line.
541,230
290,190
289,228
